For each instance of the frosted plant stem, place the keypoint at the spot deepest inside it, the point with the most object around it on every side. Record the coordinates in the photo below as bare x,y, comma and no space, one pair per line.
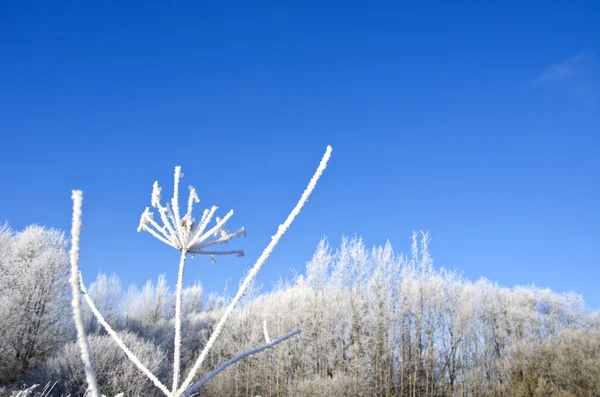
177,354
132,357
234,360
90,374
254,271
175,203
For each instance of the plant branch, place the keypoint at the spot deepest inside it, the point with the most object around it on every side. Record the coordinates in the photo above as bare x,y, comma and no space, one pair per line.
254,271
232,252
179,293
90,374
234,360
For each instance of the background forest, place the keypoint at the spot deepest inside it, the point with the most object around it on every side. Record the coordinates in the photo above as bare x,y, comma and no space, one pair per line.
374,322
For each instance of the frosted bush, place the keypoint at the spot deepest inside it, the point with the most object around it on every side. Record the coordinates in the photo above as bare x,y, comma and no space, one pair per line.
115,373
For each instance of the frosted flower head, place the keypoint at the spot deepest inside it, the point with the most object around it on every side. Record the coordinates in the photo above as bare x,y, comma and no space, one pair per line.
184,233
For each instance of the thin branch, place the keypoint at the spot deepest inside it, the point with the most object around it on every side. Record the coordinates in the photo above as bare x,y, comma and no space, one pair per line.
232,252
162,211
193,198
90,374
226,237
157,236
254,271
206,217
175,203
234,360
162,230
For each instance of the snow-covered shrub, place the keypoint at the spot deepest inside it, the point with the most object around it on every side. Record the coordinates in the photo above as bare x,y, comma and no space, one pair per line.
114,371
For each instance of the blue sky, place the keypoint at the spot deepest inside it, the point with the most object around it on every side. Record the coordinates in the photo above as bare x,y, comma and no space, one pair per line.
479,123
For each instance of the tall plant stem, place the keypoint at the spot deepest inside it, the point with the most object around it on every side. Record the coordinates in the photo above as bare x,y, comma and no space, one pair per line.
179,293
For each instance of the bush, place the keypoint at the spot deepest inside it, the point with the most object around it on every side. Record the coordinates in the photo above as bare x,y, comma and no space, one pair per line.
116,374
567,365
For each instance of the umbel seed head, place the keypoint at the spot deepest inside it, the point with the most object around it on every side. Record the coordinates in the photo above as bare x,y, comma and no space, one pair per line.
185,233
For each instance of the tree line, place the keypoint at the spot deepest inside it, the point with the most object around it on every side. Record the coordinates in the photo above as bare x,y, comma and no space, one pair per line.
374,323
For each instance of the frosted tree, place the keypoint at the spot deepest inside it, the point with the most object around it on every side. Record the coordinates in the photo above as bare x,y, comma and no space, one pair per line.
106,294
5,240
147,307
33,293
382,296
317,269
192,299
190,237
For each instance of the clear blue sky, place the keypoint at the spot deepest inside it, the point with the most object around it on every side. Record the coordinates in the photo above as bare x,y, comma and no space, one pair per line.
479,123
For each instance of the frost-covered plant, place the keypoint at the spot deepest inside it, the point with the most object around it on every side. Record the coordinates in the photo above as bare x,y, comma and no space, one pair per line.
189,237
114,372
34,290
